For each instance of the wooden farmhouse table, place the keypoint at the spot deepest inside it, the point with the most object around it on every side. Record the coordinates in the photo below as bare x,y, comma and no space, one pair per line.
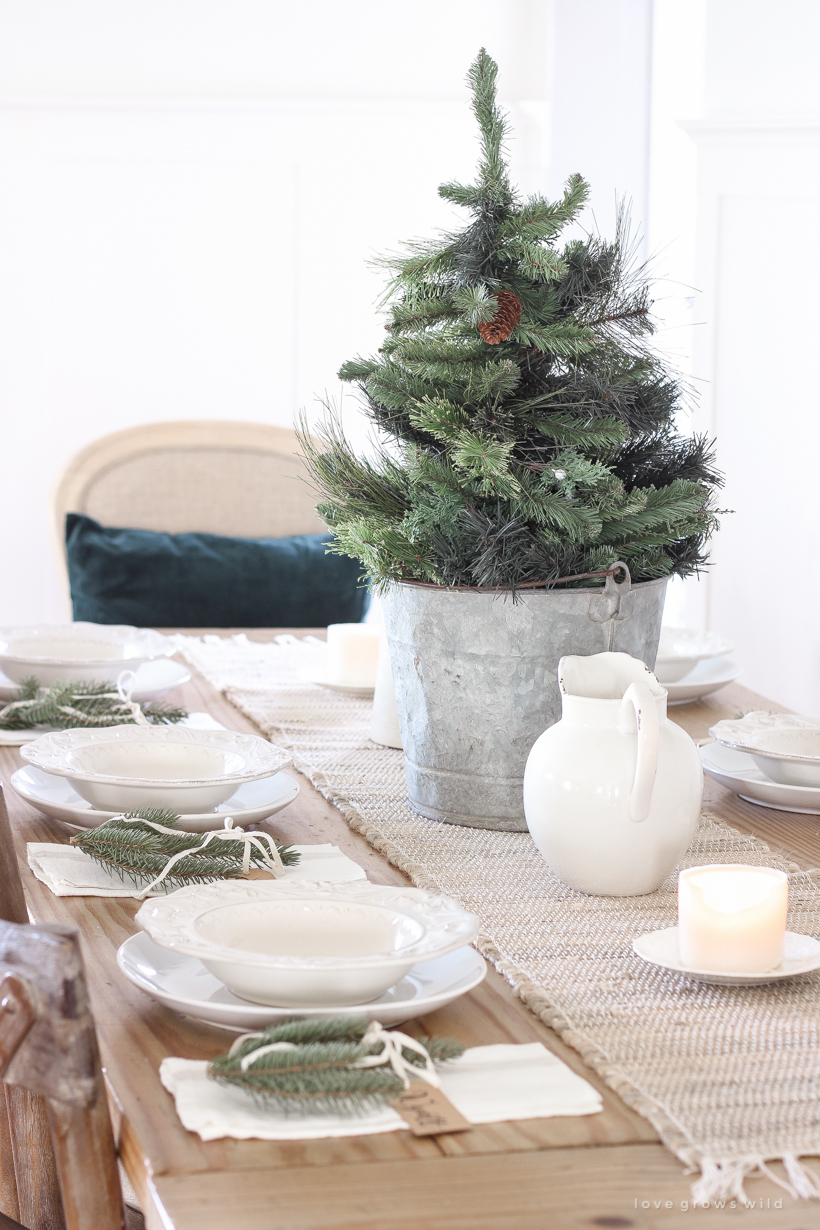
603,1170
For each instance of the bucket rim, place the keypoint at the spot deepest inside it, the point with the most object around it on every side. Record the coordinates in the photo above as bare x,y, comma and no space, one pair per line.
523,591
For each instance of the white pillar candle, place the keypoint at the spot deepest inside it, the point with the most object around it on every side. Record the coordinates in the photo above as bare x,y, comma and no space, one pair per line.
352,654
384,720
732,917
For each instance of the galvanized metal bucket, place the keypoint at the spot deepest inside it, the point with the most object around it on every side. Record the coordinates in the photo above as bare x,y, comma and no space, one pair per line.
476,684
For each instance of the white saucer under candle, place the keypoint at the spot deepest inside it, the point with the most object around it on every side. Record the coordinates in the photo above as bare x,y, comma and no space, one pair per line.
732,917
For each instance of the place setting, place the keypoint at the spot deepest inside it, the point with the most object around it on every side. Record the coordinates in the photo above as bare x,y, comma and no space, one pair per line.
58,676
97,739
771,759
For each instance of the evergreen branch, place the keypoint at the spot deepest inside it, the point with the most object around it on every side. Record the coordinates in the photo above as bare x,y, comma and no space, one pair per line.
440,349
475,303
352,481
319,1074
493,382
357,369
485,456
415,312
66,706
492,171
438,417
461,194
593,433
138,853
569,342
535,262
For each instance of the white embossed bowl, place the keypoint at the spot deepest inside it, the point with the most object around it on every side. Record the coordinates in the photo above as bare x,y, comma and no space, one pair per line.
58,653
680,649
784,746
298,945
122,767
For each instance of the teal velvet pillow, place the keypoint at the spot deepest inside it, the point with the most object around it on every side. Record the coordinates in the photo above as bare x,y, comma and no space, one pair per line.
122,576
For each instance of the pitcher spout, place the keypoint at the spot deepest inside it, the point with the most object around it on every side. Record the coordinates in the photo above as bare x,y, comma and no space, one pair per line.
605,676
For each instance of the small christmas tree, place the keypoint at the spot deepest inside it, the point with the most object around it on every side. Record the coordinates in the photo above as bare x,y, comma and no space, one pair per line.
528,425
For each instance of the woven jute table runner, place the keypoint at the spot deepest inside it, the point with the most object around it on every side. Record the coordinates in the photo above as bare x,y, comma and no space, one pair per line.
728,1076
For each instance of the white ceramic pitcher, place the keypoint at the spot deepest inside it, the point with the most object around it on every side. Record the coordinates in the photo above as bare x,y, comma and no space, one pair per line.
612,792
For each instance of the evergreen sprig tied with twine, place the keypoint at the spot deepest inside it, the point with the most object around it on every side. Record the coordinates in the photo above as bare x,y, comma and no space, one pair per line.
138,846
341,1065
66,706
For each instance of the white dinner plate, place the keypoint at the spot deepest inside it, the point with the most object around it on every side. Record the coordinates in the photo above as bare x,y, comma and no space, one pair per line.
184,984
55,796
347,688
154,679
738,771
703,679
801,955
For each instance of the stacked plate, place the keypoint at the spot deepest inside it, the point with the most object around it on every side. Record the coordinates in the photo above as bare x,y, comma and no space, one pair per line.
243,955
769,758
85,776
82,652
692,664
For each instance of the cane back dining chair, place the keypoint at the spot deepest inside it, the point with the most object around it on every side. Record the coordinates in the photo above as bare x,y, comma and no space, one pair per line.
58,1162
221,477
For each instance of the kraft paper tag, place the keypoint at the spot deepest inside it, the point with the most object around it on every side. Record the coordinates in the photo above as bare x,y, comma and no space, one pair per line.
257,873
427,1112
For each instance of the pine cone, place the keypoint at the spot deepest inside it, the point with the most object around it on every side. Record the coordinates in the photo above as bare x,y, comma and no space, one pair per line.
506,318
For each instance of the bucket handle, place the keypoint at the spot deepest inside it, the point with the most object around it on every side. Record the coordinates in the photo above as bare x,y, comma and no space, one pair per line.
608,604
639,696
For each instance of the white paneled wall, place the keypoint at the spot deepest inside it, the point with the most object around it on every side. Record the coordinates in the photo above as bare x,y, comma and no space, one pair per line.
757,146
759,189
190,191
734,203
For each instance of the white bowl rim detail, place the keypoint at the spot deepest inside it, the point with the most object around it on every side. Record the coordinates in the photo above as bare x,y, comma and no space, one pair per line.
738,733
146,643
50,753
171,921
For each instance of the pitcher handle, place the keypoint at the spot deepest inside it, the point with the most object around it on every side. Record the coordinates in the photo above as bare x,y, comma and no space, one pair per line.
639,695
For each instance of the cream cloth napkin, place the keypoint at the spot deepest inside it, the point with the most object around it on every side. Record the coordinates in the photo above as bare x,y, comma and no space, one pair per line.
69,872
487,1084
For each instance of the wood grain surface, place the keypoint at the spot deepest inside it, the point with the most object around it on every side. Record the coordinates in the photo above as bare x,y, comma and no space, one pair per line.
564,1172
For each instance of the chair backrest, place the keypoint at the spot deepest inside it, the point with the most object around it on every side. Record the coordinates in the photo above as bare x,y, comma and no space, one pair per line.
247,479
57,1120
241,479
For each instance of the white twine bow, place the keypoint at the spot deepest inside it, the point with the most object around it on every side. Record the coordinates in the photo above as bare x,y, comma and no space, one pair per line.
123,693
393,1043
270,855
